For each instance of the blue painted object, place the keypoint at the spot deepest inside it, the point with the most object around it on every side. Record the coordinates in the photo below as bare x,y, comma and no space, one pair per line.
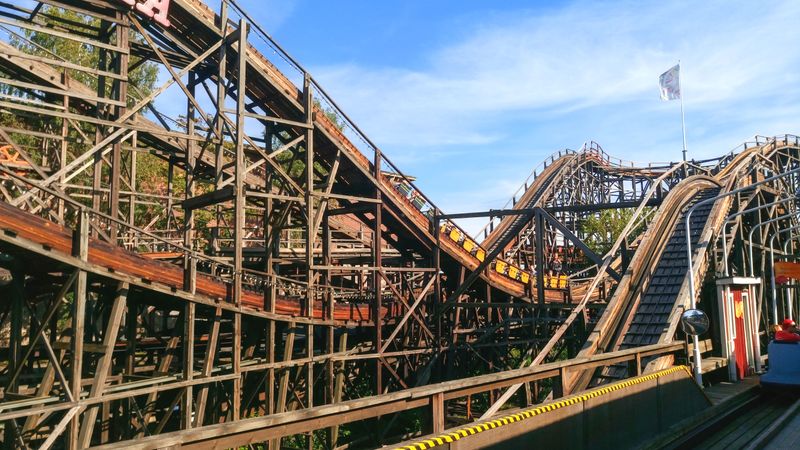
784,365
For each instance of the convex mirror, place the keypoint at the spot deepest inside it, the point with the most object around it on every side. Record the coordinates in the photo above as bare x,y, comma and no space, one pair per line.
694,322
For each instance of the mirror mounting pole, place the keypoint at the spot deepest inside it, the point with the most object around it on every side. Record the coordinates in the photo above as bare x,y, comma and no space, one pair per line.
695,322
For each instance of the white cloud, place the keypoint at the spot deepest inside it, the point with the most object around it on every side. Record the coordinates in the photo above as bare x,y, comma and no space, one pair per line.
581,56
508,88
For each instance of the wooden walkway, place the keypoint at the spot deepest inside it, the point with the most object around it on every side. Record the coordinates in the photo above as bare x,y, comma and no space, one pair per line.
718,393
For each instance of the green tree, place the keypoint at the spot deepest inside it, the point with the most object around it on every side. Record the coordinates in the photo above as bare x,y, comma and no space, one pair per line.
330,113
141,79
152,171
602,230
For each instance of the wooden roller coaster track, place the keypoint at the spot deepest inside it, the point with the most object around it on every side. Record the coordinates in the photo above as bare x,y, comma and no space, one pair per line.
279,268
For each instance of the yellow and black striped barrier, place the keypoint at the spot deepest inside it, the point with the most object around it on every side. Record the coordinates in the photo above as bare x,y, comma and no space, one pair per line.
528,413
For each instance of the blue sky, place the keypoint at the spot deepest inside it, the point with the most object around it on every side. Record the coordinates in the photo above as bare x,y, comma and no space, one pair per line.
470,96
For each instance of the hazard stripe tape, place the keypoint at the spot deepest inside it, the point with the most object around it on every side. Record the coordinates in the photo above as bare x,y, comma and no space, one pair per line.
528,413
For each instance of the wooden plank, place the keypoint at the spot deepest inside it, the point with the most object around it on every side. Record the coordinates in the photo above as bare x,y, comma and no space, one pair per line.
81,250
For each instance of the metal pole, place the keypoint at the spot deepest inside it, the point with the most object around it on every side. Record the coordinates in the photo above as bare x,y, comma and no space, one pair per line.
740,213
698,376
683,118
772,279
772,265
757,226
789,290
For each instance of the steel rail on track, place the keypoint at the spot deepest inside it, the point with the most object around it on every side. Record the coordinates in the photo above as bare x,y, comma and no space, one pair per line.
767,435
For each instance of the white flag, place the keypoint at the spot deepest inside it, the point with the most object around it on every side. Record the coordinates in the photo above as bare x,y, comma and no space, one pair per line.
670,82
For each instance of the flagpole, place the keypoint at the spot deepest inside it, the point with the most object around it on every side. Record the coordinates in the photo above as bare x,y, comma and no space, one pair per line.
683,118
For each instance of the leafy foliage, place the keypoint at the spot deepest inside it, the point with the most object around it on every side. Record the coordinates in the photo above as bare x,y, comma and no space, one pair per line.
142,78
601,230
151,171
330,114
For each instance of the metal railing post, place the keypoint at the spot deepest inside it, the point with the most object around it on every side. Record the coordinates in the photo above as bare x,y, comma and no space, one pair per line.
774,304
692,289
753,229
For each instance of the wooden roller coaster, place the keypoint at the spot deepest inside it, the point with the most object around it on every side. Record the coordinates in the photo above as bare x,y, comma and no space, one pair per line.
254,270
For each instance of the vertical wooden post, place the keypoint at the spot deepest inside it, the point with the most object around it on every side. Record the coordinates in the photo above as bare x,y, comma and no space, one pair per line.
330,385
208,365
16,291
187,405
437,412
62,158
638,363
189,262
132,197
310,240
97,169
283,388
103,364
528,394
377,238
271,246
240,207
120,93
439,299
561,385
131,325
270,381
81,250
338,386
219,158
309,197
539,255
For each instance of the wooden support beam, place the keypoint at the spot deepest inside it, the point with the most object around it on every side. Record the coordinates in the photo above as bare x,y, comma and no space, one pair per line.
208,365
163,369
283,387
187,406
209,198
240,205
437,413
338,387
279,425
411,310
104,363
81,250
